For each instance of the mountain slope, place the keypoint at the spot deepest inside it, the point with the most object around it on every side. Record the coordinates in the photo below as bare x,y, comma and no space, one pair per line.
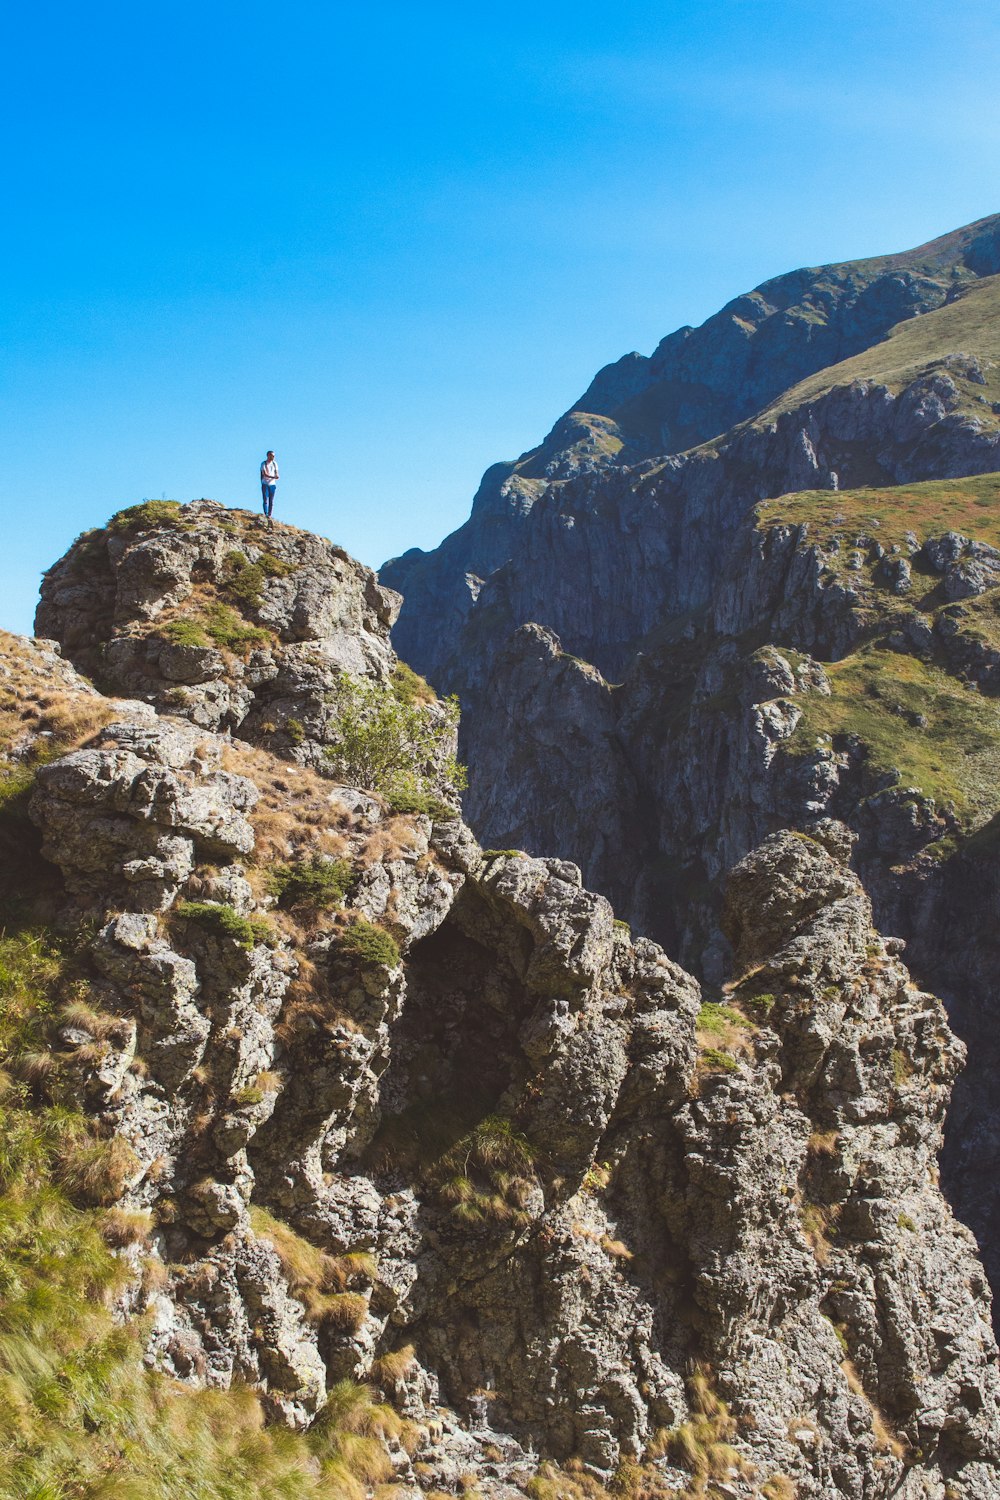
409,1147
643,529
741,603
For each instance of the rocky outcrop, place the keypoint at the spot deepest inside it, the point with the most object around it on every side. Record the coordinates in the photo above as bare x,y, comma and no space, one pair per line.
663,659
204,612
514,1141
270,634
875,705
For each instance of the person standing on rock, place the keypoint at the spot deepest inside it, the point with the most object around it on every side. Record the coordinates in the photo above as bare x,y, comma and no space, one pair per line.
268,485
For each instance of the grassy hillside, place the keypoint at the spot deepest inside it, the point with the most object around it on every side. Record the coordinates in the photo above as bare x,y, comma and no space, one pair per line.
970,326
915,715
917,723
971,506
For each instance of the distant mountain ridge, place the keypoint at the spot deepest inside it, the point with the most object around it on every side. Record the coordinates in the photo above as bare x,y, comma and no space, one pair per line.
699,385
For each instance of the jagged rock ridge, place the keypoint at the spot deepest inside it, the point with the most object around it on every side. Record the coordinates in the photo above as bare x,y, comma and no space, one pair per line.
617,516
647,643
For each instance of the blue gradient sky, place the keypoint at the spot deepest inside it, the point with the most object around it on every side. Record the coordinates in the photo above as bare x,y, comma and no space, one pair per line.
394,242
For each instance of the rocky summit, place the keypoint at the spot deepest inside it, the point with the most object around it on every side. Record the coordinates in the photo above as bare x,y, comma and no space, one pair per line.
344,1157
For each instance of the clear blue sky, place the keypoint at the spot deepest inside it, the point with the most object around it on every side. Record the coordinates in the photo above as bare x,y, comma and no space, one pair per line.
395,241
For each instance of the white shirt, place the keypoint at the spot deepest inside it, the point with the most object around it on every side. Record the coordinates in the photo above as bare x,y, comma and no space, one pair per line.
269,471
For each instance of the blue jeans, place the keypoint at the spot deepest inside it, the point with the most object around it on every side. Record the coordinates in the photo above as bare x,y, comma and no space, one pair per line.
267,493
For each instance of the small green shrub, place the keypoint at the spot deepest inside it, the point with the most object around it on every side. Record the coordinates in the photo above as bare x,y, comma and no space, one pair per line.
185,633
295,730
274,567
761,1004
228,630
392,747
317,883
410,687
223,921
407,796
714,1060
146,515
243,580
370,944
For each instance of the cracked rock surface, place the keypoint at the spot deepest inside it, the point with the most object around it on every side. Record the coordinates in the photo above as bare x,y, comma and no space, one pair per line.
564,1210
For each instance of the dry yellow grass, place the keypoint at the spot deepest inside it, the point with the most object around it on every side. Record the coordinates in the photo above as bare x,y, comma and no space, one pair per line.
819,1225
395,838
39,714
298,812
886,1439
326,1285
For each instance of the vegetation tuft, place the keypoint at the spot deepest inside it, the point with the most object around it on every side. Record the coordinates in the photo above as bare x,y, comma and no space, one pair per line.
326,1285
487,1176
145,516
703,1444
396,747
722,1034
409,687
369,944
186,632
223,922
227,629
244,580
315,883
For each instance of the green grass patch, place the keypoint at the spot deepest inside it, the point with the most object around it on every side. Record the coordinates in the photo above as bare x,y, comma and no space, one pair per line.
185,633
719,1020
716,1060
370,944
223,922
970,506
879,697
145,516
315,883
226,628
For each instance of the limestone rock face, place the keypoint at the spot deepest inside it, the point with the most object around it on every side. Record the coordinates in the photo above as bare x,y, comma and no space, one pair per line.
603,1213
207,614
644,632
